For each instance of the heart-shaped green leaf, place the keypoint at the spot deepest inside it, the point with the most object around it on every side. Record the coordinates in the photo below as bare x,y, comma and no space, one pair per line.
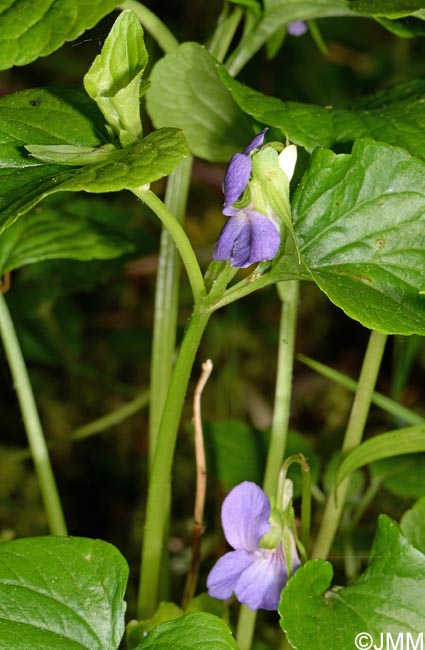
61,593
359,221
388,598
32,29
187,93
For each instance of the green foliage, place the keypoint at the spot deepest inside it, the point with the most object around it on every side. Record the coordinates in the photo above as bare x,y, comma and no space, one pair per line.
236,452
137,630
387,8
50,234
394,443
62,593
387,598
403,476
412,525
186,92
114,79
167,611
152,158
36,28
395,115
190,632
45,116
359,233
358,225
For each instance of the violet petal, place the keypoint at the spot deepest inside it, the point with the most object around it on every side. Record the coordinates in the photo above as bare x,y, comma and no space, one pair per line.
226,240
265,239
256,142
245,516
246,238
259,586
236,178
224,575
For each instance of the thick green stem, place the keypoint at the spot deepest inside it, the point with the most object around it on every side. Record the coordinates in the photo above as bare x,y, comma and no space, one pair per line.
166,302
152,24
160,478
180,239
288,292
353,437
36,441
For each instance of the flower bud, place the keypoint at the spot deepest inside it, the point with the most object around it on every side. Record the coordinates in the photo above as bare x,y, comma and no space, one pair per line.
288,160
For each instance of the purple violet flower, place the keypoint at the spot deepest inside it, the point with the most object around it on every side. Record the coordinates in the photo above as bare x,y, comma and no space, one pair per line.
238,173
248,236
256,575
297,28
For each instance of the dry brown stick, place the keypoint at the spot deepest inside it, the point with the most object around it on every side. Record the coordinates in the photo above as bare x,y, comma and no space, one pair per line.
5,282
201,485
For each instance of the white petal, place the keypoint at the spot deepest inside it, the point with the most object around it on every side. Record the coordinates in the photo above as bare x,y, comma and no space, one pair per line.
288,159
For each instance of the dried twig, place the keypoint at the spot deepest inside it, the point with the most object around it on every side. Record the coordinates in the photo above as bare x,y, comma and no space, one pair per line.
5,282
201,485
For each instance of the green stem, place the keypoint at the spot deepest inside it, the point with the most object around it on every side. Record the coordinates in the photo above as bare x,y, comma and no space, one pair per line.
305,505
180,239
37,443
352,439
166,302
243,288
288,292
273,20
160,478
365,501
152,24
224,32
165,321
387,404
245,627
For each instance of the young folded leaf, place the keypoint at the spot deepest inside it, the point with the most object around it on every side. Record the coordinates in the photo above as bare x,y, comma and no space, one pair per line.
114,79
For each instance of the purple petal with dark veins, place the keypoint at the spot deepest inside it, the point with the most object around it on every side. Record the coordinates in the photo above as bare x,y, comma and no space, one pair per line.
245,516
224,575
259,586
236,178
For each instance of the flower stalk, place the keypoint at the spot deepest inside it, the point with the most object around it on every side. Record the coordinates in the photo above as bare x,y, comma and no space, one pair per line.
289,295
36,440
166,302
353,437
160,477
